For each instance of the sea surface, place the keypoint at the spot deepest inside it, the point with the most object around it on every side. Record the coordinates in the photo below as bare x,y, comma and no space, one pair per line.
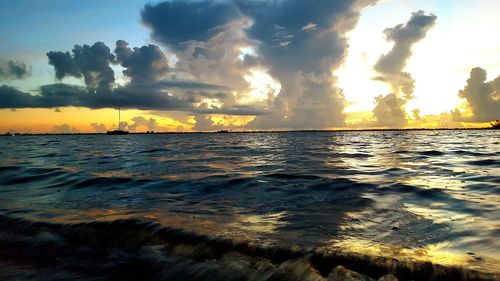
409,195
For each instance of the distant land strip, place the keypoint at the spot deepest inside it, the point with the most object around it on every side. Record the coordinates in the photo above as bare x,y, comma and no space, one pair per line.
262,131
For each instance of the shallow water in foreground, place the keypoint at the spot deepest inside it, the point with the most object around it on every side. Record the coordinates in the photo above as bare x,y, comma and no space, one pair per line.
413,195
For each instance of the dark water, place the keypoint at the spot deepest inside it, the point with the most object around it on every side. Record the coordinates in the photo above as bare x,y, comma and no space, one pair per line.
411,195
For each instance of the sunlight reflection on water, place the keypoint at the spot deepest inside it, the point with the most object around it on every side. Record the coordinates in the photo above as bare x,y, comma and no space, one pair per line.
422,195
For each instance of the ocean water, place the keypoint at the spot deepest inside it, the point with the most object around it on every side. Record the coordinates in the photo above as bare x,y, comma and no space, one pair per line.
415,196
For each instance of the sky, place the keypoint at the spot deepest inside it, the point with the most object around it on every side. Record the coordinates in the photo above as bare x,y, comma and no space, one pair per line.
179,65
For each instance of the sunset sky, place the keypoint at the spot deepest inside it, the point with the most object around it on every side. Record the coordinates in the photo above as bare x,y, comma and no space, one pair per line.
66,66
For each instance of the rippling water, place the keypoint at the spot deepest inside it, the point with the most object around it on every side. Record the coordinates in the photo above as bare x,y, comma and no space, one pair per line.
414,195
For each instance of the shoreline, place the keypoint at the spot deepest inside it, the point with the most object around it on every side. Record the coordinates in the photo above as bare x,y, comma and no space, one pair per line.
260,131
128,249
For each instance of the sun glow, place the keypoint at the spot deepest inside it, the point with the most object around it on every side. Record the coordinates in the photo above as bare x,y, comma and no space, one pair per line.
440,63
81,120
231,121
263,87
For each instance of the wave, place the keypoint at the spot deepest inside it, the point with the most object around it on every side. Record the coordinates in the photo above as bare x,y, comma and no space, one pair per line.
474,153
485,162
431,153
133,249
102,182
9,168
152,151
351,155
32,175
287,176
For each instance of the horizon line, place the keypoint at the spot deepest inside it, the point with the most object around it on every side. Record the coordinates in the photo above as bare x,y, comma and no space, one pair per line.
257,131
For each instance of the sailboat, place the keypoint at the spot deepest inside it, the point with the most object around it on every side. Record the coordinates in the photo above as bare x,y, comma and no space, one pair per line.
119,131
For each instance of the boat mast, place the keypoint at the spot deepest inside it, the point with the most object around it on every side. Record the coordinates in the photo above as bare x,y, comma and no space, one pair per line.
119,119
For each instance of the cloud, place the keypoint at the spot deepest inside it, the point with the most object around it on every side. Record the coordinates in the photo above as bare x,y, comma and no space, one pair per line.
211,57
143,65
123,125
302,61
309,27
91,62
140,121
217,46
146,66
230,110
404,37
13,98
217,60
127,97
99,127
204,123
276,22
177,22
10,70
483,97
391,110
64,129
179,84
298,42
61,95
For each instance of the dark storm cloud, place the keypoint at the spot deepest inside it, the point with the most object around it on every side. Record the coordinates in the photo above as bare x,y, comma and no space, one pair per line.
483,97
278,26
10,70
91,62
144,64
301,42
177,22
180,84
61,95
298,41
64,64
13,98
390,110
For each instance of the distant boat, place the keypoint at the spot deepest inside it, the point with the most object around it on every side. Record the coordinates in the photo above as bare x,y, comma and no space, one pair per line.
119,131
495,124
222,131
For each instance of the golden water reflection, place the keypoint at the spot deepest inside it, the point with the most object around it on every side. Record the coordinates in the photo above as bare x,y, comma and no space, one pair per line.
262,223
436,253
